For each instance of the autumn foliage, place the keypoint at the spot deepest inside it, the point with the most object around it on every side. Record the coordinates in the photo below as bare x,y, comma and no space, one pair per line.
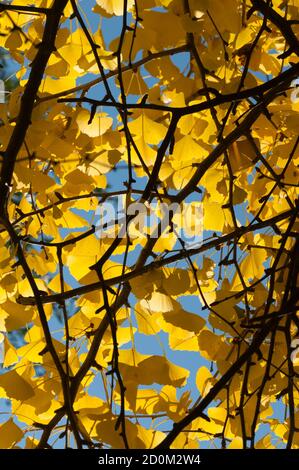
184,103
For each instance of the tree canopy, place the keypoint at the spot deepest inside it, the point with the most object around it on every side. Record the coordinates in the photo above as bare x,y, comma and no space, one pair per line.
148,213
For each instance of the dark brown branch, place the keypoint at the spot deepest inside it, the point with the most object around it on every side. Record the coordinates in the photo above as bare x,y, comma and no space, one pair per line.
46,48
24,9
159,263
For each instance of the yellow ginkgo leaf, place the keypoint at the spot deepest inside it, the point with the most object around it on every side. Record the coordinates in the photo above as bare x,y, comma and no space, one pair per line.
204,380
25,289
184,320
148,323
55,85
236,443
215,217
212,346
144,127
10,434
12,385
159,302
159,369
99,125
15,315
10,354
186,152
114,7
